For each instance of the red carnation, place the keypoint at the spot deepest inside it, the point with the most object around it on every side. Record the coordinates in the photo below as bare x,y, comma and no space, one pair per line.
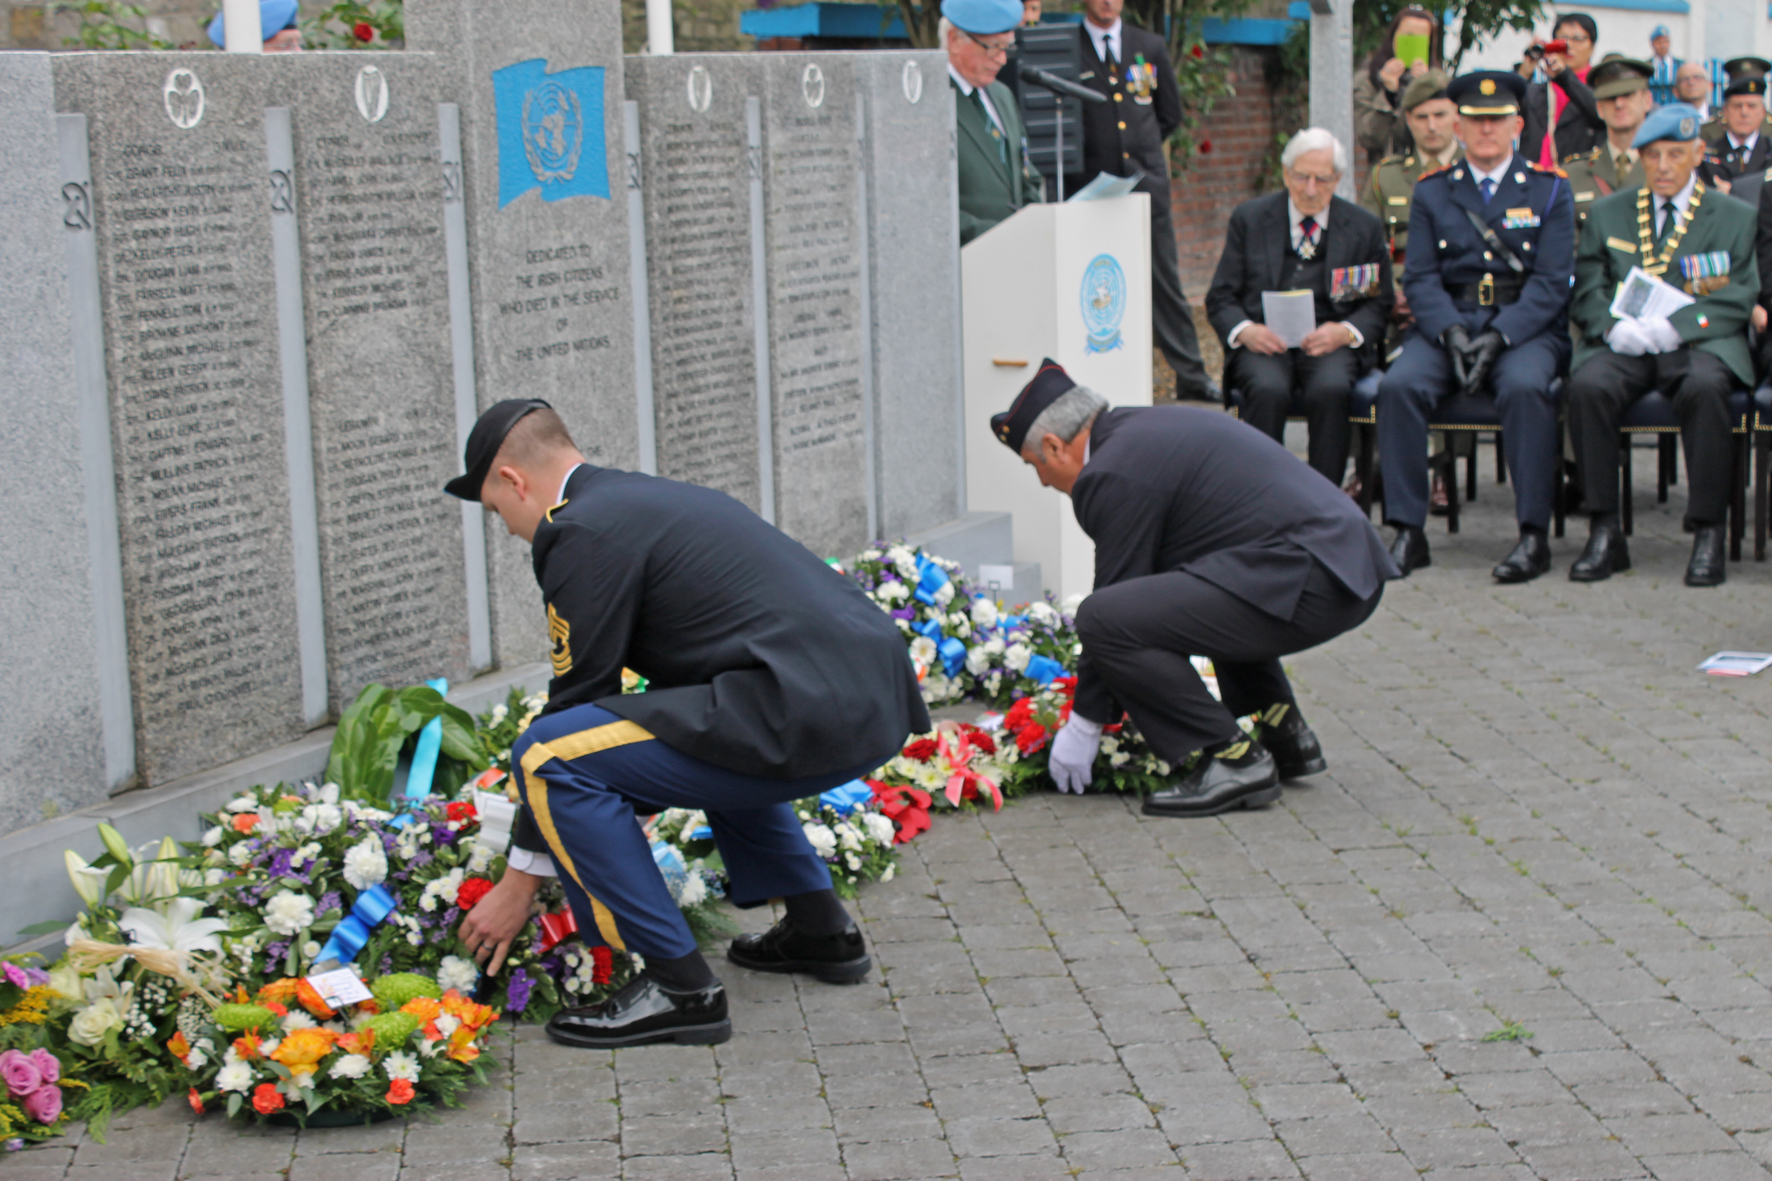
982,741
462,812
363,31
922,750
471,892
267,1099
1199,52
1030,738
602,965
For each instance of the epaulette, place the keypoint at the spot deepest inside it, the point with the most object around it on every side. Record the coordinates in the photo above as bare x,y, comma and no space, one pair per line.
1588,156
1397,158
1434,171
1549,169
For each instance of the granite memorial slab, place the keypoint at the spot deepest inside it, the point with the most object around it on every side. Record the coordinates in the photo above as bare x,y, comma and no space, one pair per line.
181,208
540,90
913,237
695,176
816,287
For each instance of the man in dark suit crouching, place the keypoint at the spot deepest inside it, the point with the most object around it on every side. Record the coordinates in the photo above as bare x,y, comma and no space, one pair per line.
1308,239
1210,540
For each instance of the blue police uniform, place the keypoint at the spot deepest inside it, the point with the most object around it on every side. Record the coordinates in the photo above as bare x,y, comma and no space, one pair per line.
1453,276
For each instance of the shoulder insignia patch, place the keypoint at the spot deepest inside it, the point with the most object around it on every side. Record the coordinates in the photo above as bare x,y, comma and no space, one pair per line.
1436,170
1551,169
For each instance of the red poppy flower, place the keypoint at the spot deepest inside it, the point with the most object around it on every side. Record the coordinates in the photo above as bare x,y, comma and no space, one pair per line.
471,892
267,1099
602,965
906,807
462,811
1205,146
363,31
922,750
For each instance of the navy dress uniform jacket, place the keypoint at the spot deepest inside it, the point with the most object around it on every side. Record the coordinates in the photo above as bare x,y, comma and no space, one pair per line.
1128,131
761,659
1532,211
1177,488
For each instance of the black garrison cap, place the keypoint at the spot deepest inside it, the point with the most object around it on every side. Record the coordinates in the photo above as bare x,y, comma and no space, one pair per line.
1011,426
484,441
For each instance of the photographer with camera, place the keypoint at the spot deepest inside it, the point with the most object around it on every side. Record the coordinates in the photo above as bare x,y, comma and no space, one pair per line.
1562,118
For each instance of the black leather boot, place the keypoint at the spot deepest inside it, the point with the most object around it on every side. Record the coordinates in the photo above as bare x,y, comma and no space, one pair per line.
835,959
1240,775
1707,565
1606,554
1295,748
643,1012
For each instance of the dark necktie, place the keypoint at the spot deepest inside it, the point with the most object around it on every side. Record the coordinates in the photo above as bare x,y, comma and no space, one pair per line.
1669,214
989,125
1487,188
1112,60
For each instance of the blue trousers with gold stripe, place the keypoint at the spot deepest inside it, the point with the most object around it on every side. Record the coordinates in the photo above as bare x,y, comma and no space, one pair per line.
584,772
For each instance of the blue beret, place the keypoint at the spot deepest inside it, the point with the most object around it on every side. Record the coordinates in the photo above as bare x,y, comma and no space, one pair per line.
983,17
1676,121
1011,426
1658,31
273,15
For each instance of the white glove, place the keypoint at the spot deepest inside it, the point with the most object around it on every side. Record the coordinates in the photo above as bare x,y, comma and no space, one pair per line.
1628,339
1073,754
1662,335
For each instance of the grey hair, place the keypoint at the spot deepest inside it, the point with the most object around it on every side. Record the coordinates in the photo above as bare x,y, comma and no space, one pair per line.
1067,418
1315,139
942,28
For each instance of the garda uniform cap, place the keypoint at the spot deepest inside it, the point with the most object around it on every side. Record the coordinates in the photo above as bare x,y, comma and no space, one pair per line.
1488,92
1617,75
983,17
273,17
1011,426
1676,121
1424,89
484,441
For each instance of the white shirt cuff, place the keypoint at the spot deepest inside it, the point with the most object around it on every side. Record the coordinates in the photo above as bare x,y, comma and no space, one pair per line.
1236,332
1353,332
526,861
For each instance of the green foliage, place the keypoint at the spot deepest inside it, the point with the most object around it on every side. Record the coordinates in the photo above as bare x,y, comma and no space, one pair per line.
1513,1031
378,726
109,24
342,25
397,989
240,1018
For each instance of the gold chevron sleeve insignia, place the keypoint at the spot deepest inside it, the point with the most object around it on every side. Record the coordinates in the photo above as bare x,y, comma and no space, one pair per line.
559,642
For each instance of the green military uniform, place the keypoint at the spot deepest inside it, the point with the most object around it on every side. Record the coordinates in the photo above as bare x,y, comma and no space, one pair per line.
1747,75
1595,175
1390,189
995,175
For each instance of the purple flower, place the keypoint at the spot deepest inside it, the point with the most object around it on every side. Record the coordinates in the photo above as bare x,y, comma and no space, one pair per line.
443,835
517,991
420,860
280,863
328,901
387,963
905,613
14,1144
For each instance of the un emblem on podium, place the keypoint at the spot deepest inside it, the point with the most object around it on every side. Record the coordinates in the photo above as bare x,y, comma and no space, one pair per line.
550,132
1103,303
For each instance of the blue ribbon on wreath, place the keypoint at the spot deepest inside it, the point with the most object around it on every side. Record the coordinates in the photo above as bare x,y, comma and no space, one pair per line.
952,651
421,773
847,797
1043,668
367,913
930,579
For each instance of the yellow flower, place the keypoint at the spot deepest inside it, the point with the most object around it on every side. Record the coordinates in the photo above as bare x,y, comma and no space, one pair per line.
301,1051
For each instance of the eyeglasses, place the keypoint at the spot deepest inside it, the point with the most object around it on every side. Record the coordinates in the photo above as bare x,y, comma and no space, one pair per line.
1308,179
1579,39
1001,48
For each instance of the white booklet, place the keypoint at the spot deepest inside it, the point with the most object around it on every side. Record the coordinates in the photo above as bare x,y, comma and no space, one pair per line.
1290,315
1105,185
1736,664
1644,297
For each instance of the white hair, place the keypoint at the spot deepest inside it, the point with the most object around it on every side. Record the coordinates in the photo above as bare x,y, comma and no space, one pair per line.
1315,139
1073,410
943,27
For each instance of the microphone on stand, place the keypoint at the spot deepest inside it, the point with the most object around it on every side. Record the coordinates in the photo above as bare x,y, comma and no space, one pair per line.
1057,85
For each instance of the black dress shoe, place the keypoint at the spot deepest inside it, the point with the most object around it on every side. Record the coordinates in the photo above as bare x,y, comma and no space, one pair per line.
1295,748
1409,550
1707,564
834,959
643,1012
1606,554
1242,776
1530,558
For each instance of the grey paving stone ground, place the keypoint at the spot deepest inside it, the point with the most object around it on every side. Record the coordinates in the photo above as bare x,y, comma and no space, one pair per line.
1538,819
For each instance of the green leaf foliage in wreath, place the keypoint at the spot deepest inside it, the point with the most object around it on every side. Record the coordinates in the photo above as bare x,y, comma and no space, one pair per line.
381,723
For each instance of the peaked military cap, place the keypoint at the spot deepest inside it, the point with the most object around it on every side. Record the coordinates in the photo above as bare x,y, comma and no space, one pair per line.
1424,89
484,441
1488,92
1011,426
1617,75
1746,67
1676,121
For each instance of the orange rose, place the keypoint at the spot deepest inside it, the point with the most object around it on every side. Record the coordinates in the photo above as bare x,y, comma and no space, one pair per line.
310,999
302,1049
267,1099
424,1008
400,1091
245,822
278,992
180,1046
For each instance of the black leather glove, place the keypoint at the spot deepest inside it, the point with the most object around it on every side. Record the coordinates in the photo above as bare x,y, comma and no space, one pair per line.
1457,343
1480,359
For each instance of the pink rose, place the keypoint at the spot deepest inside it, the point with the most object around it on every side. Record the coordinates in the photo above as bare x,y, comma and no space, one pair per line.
16,974
21,1074
46,1065
44,1104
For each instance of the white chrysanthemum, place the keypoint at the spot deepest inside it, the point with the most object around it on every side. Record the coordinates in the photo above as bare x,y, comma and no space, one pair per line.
923,651
235,1076
212,836
243,804
978,659
995,646
269,1047
499,713
1017,657
401,1065
852,861
214,877
1042,613
288,912
296,1019
350,1066
959,626
824,841
321,819
240,854
480,857
944,594
366,864
455,972
849,837
892,591
879,827
984,612
694,891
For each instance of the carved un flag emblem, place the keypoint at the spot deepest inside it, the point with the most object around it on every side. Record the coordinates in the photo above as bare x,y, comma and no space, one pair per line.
1104,304
550,132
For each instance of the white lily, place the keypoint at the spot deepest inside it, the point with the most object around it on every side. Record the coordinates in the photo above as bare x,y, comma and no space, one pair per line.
89,883
175,926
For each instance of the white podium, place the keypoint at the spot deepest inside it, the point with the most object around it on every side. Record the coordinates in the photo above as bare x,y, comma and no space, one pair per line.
1071,282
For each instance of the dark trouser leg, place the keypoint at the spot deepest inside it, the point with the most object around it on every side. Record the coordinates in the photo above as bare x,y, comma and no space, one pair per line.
1140,634
1599,393
1324,384
1265,382
1172,321
1698,384
1523,377
1411,388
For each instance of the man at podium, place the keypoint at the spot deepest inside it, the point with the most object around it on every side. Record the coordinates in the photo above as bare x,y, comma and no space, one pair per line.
1210,540
995,175
1328,261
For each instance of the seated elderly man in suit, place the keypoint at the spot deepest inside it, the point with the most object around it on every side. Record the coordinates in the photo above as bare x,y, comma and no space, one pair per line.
1308,239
